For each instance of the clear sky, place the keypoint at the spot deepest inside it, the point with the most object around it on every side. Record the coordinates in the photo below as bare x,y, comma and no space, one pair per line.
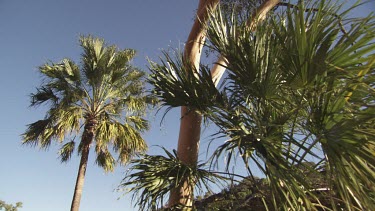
35,31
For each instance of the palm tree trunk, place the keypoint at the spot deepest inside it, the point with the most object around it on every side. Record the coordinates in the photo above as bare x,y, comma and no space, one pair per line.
190,125
87,138
80,178
187,152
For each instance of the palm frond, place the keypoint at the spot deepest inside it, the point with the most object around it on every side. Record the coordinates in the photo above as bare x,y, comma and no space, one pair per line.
285,92
43,94
36,133
66,151
151,178
104,158
104,89
177,85
126,139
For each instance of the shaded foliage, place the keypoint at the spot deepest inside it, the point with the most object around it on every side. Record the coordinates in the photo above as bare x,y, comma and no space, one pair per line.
253,193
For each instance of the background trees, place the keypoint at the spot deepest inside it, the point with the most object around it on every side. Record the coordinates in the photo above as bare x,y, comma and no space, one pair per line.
299,88
10,207
101,100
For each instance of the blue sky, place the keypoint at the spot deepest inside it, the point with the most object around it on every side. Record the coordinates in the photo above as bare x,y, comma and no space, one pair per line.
33,32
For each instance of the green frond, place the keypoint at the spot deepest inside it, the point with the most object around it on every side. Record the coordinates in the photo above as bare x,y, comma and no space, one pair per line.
104,158
37,133
125,138
119,61
61,85
177,84
103,63
138,123
151,178
346,138
135,104
130,144
56,126
66,121
298,88
104,88
64,73
66,151
42,95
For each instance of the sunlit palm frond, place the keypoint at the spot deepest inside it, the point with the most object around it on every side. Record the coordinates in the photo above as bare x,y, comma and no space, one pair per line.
177,85
152,177
126,139
286,88
92,100
102,92
104,158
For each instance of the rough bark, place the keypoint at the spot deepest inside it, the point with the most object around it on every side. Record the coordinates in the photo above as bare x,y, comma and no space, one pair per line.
87,138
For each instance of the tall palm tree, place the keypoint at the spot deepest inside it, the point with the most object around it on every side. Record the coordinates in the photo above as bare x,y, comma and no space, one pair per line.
101,100
299,88
190,124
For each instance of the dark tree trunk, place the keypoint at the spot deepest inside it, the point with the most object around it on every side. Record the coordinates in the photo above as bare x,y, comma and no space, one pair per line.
87,138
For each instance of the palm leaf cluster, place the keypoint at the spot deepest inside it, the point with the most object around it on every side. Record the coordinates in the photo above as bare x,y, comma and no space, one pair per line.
103,94
291,90
299,88
151,178
177,83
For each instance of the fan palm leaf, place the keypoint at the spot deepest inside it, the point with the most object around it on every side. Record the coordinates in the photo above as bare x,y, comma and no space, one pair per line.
102,100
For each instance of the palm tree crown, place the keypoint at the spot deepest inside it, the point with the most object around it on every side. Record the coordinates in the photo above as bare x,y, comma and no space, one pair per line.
102,100
98,95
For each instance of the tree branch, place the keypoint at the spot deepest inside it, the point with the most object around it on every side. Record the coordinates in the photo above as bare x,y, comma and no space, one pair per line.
219,67
285,4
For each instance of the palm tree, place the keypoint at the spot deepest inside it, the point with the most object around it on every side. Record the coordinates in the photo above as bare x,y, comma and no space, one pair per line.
300,87
190,124
102,101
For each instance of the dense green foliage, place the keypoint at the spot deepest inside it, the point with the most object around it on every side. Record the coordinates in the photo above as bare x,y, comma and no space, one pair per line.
104,91
154,176
102,100
299,87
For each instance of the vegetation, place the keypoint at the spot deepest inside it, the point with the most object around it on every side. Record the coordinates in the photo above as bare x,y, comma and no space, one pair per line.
299,87
10,207
250,194
101,100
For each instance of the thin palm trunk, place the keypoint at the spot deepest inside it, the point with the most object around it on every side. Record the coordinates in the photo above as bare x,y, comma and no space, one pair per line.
87,138
80,179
